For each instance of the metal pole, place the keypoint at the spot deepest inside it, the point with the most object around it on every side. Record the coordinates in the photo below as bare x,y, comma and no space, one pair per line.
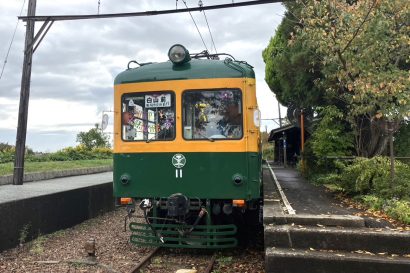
285,164
24,98
280,117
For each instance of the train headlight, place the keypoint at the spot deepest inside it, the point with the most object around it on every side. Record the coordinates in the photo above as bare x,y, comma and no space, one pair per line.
257,117
178,54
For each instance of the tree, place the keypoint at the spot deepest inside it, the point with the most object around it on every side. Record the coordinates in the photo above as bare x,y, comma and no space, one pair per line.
364,49
291,70
402,140
94,138
331,137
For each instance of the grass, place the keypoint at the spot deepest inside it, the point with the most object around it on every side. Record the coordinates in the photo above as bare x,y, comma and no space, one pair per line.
30,167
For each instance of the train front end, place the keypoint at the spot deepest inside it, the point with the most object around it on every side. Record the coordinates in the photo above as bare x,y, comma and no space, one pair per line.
186,150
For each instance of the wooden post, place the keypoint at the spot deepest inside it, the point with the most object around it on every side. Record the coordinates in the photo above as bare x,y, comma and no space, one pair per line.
24,98
392,171
302,141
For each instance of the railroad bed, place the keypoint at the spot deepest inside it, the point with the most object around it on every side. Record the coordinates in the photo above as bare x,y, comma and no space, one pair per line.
64,251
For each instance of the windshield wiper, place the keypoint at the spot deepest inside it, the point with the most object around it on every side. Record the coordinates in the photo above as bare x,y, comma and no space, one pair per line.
149,140
207,137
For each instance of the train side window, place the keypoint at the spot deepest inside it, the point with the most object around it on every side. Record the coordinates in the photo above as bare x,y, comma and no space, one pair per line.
212,114
148,116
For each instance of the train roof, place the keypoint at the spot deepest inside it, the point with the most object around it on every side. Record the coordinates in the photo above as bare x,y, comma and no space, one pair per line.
194,69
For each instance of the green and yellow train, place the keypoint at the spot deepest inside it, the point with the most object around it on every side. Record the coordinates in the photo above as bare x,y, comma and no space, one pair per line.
187,149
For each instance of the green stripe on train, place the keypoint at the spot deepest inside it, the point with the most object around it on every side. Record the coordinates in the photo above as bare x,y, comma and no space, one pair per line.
204,175
195,69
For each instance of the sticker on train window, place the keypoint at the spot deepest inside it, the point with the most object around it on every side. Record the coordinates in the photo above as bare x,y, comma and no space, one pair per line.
138,111
155,101
151,116
148,116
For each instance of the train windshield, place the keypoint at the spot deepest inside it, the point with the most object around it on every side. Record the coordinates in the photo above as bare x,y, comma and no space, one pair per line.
148,116
212,114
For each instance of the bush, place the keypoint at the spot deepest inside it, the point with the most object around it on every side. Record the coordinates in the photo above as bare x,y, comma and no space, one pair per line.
79,152
397,209
373,176
331,136
7,155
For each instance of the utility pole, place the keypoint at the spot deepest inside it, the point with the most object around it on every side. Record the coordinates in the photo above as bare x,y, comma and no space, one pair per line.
280,117
24,98
285,159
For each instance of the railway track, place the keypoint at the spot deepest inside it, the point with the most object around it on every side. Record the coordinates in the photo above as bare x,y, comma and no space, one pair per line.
160,258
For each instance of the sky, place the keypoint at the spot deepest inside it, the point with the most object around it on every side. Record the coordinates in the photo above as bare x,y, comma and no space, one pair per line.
75,65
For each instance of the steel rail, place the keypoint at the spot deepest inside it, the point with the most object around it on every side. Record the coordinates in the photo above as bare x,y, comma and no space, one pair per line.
144,13
144,261
211,264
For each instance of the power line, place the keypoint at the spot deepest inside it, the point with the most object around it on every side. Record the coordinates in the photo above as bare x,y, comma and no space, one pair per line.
209,29
11,42
193,20
146,13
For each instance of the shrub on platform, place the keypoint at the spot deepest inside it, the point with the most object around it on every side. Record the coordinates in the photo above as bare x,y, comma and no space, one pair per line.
373,176
397,209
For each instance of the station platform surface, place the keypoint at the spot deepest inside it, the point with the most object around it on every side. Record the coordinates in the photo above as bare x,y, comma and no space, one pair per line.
9,193
45,206
306,198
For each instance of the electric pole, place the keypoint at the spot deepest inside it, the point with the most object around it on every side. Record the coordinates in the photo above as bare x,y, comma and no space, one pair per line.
24,98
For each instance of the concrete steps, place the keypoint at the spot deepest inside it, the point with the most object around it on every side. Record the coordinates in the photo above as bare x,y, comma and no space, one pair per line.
338,238
285,260
323,243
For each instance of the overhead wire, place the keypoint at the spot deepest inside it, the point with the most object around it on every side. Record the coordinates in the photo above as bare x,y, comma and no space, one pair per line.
209,29
199,32
11,42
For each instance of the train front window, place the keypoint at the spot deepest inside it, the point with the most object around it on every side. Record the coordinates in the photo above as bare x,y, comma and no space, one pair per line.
212,114
148,116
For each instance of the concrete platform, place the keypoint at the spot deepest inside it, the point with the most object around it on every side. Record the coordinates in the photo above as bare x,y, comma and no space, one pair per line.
42,207
38,176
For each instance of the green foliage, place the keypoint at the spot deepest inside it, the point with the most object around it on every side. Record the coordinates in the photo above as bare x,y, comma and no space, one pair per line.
292,70
24,234
326,179
373,176
365,53
44,166
398,209
94,138
267,148
67,154
402,141
37,246
7,152
80,152
331,136
352,55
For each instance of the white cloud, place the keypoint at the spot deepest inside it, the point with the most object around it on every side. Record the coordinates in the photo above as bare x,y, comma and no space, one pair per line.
75,65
